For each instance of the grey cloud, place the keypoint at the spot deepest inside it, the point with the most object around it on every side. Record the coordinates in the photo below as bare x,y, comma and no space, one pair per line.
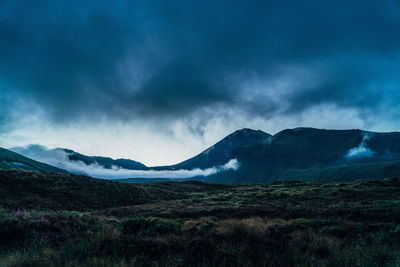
30,150
149,60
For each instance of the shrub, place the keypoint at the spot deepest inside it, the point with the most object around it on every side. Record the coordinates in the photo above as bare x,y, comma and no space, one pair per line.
341,231
57,228
254,227
208,225
149,226
11,231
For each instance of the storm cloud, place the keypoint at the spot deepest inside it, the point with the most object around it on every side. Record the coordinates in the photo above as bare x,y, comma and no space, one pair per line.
168,61
130,59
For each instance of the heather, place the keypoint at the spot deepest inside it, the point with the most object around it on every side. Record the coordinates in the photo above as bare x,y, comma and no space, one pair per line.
196,224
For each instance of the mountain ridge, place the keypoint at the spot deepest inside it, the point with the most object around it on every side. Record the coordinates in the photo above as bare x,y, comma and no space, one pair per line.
302,153
12,160
216,155
221,152
312,148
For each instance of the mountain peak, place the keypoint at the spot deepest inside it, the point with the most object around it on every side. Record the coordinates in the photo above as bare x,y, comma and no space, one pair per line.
247,130
221,152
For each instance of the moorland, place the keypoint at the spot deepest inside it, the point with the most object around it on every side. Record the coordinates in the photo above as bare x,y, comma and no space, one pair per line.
55,219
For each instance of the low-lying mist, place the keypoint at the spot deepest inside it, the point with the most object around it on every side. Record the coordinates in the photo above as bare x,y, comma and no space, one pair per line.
59,158
361,151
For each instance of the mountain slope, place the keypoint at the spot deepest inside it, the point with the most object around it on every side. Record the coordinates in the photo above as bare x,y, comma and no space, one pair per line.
221,152
106,162
62,158
218,154
305,154
309,148
345,173
12,160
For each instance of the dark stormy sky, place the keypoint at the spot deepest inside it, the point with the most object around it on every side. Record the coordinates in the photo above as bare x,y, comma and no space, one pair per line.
158,81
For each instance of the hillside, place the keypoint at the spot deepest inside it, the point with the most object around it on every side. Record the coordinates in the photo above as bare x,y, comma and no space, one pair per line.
304,154
68,220
309,150
11,160
60,156
27,189
221,152
215,156
105,162
345,173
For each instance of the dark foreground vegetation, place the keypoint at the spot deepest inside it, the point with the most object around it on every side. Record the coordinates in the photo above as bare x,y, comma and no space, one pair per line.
45,220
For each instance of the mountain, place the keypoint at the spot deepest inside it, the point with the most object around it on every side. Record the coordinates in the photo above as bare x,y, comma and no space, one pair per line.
304,154
216,155
106,162
345,173
304,149
221,152
11,160
74,161
219,156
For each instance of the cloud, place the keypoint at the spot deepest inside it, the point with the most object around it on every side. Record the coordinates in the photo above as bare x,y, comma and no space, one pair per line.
59,158
361,151
30,151
119,173
159,65
131,61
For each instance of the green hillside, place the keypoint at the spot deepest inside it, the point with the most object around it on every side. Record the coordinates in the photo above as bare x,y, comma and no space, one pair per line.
345,173
11,160
303,154
308,154
106,162
27,189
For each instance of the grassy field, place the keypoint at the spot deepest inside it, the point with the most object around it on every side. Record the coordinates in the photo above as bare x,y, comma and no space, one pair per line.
44,222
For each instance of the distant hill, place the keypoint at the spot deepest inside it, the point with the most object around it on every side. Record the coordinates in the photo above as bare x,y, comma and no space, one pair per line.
63,158
214,157
55,191
221,152
305,150
305,154
11,160
106,162
143,180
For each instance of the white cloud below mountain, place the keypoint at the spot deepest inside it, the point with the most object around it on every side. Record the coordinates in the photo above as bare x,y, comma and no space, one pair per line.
59,158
